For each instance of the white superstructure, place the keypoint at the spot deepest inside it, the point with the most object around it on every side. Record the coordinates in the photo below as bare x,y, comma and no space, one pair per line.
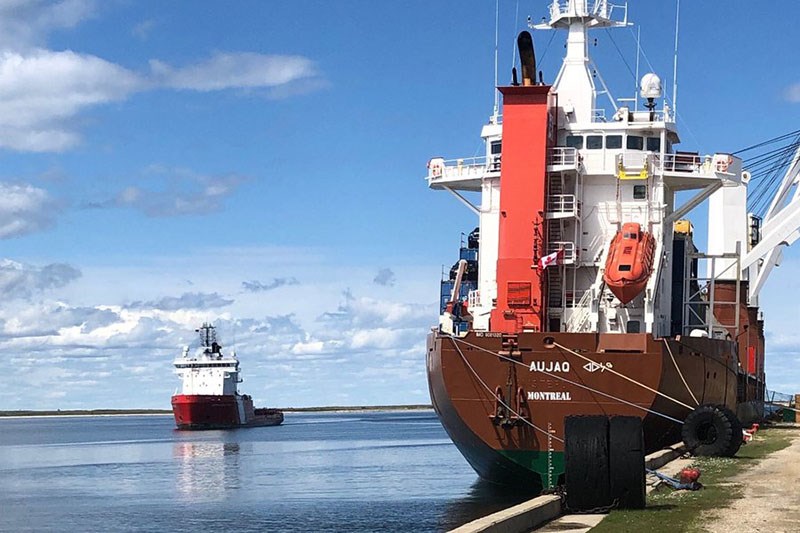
610,165
208,371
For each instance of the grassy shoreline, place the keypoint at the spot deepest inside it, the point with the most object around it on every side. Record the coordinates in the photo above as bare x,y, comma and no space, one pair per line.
23,413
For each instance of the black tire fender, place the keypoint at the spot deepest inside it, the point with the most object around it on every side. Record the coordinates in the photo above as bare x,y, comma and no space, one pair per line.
586,462
626,462
708,431
736,429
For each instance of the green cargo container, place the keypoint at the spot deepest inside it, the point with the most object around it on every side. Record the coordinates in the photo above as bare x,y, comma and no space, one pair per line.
789,415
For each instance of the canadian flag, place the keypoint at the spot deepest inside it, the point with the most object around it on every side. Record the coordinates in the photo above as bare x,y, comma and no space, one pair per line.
556,258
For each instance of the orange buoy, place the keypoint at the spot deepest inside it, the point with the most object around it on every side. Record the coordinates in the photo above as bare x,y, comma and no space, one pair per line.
630,262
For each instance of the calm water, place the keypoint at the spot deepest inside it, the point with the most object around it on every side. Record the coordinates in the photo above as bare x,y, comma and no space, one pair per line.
384,471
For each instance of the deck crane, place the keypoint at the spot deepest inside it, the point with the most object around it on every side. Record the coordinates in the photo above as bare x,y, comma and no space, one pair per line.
781,227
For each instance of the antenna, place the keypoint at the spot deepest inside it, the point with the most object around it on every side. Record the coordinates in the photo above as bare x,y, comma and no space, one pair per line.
638,54
514,46
675,63
496,38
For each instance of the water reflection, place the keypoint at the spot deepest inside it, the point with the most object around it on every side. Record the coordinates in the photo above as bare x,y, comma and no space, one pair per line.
483,499
207,470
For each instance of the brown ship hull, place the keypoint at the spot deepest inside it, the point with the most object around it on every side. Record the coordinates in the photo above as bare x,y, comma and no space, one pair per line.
544,377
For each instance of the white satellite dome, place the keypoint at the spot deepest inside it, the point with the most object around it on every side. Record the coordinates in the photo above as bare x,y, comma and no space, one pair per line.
650,86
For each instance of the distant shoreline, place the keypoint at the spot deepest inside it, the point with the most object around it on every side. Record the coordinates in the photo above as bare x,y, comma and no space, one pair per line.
133,412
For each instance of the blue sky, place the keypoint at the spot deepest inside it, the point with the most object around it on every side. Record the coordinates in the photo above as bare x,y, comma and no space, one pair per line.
260,165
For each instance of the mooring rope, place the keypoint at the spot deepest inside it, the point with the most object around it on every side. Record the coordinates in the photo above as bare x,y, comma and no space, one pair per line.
674,362
534,426
623,376
581,385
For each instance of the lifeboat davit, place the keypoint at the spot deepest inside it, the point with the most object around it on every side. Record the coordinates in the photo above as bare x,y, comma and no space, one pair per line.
630,262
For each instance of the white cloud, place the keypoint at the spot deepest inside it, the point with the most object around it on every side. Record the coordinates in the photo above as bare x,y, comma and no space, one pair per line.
369,313
379,338
24,209
175,192
142,29
242,70
291,357
189,300
43,91
28,22
257,286
792,93
311,347
384,277
22,281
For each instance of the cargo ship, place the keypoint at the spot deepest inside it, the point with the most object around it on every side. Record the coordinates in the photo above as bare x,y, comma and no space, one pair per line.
581,327
210,398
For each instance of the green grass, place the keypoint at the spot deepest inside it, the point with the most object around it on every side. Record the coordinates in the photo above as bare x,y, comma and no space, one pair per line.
669,511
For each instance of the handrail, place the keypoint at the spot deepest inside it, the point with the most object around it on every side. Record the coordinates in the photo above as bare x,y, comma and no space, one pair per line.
567,246
474,298
562,203
581,315
697,164
475,167
563,156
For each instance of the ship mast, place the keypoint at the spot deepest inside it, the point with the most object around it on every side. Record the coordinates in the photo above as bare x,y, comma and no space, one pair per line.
574,84
208,335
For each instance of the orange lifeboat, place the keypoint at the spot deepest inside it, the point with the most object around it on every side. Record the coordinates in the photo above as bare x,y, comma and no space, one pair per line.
630,262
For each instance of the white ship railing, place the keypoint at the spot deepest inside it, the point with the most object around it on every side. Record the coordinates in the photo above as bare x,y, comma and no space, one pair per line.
563,204
572,298
580,317
465,167
567,246
562,156
698,165
683,162
474,298
645,116
600,8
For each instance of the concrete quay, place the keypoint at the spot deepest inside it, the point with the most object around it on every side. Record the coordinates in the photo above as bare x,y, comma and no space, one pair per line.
530,515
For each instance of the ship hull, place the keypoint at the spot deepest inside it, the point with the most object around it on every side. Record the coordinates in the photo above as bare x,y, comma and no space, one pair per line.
545,377
202,411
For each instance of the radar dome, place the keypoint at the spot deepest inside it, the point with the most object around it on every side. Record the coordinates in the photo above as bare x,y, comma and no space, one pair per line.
650,87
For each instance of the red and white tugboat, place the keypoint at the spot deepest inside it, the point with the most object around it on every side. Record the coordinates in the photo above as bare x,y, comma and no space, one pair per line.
210,398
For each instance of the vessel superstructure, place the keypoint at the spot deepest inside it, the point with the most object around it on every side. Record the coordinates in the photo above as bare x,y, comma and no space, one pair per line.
582,290
209,397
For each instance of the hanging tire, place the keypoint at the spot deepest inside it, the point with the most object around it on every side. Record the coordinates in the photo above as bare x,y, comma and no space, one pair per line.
586,462
708,431
736,429
626,462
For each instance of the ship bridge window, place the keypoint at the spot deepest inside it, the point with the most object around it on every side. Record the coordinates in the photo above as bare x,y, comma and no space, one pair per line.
633,326
653,144
614,141
594,142
495,148
634,142
639,192
575,141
